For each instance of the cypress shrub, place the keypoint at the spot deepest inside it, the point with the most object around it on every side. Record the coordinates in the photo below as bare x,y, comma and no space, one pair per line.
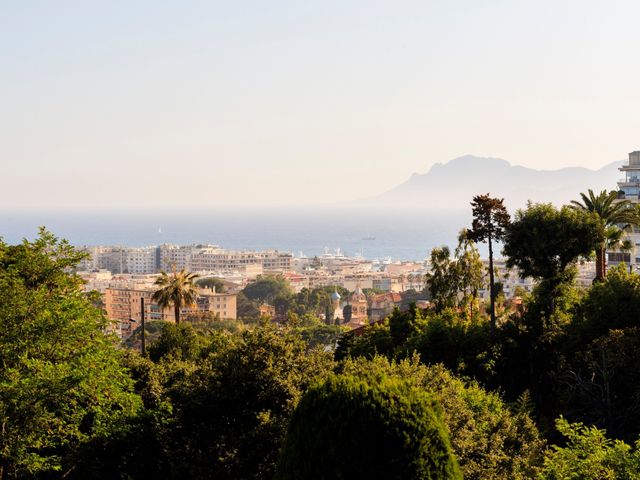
348,428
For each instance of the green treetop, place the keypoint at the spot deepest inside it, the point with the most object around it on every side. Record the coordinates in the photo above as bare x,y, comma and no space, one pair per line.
61,383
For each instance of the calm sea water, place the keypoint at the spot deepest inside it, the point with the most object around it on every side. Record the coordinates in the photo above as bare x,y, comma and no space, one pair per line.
399,234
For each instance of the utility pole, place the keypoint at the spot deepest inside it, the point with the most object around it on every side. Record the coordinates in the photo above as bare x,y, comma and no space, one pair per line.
143,346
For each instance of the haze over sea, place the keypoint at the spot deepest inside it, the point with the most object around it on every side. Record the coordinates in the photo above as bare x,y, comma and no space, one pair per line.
402,234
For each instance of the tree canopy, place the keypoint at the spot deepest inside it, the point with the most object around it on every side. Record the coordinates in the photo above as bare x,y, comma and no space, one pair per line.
266,289
382,428
61,381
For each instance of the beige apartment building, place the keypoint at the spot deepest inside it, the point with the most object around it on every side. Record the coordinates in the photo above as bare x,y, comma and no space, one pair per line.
123,305
212,259
275,261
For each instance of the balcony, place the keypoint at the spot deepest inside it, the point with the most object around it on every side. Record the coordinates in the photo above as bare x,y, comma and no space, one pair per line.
629,181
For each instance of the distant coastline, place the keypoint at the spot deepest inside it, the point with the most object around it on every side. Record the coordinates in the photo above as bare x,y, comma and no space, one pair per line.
399,234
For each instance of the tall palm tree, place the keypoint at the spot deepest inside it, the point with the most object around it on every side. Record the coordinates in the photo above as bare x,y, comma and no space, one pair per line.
615,218
177,289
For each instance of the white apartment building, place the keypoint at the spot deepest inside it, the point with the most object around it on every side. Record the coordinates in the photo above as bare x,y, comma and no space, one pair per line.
142,260
629,189
176,257
215,259
113,259
195,258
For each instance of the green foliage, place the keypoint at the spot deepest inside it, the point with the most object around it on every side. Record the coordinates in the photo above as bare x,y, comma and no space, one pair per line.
611,304
596,373
134,449
246,310
318,300
351,428
178,341
211,282
470,271
443,279
490,219
61,381
543,241
490,441
455,282
463,346
266,289
347,313
215,398
403,325
231,409
601,382
590,455
375,340
372,291
609,212
490,223
322,335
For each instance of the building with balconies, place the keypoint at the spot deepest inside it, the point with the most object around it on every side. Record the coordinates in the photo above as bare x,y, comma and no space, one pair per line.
123,306
629,189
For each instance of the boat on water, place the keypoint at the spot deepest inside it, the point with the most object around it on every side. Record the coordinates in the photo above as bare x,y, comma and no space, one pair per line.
369,237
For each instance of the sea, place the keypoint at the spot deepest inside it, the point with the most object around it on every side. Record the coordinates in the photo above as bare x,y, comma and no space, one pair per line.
373,233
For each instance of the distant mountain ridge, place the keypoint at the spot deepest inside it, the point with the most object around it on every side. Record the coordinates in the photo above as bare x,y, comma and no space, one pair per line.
453,184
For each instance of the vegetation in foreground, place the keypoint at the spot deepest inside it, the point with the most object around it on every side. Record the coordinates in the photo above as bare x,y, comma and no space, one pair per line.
549,391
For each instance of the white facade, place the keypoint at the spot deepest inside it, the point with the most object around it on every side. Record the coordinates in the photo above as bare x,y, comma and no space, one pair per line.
142,260
629,189
176,257
195,258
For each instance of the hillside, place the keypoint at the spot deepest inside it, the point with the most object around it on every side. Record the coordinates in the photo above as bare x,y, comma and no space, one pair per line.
455,182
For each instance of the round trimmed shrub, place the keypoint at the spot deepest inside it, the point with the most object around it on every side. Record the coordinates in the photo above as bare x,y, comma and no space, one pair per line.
347,428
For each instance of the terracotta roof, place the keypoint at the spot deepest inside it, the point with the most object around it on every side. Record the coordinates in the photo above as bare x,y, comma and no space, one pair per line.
393,296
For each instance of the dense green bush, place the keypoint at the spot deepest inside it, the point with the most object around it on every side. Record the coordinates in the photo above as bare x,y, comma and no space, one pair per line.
612,304
463,345
490,440
231,409
350,428
180,341
590,455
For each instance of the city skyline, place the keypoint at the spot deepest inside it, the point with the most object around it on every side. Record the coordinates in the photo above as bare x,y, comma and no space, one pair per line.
217,104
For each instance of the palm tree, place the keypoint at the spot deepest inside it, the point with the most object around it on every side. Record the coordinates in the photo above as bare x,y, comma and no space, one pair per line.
615,218
177,289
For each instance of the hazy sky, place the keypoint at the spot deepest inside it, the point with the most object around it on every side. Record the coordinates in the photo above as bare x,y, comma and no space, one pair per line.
147,103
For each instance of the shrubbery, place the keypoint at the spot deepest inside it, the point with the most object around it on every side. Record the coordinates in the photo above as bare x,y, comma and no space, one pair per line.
351,428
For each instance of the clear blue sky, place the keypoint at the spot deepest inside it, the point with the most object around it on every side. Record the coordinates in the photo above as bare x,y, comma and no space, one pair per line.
132,103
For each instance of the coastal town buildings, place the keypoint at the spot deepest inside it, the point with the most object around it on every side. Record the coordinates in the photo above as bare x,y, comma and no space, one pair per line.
122,293
195,258
376,287
123,306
